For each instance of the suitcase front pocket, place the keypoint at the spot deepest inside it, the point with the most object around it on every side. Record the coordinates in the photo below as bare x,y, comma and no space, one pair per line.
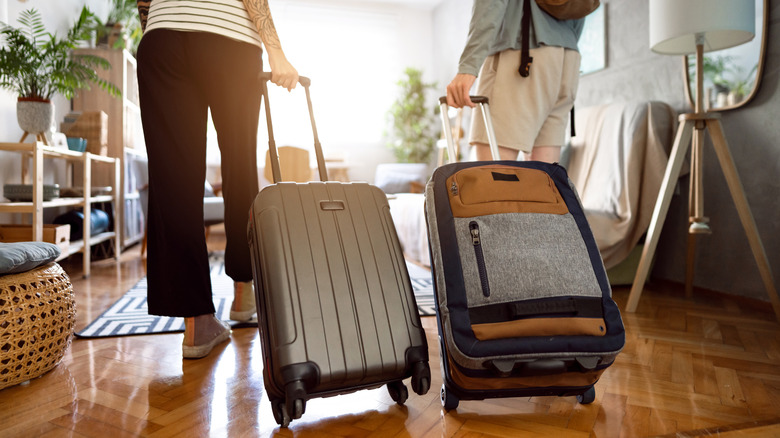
574,316
494,189
510,257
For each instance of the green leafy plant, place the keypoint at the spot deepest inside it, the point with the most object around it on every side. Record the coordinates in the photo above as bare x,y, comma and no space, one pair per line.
413,136
742,83
36,64
122,20
123,11
713,70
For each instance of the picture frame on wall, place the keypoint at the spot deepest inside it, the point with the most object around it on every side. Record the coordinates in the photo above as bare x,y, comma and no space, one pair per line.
592,44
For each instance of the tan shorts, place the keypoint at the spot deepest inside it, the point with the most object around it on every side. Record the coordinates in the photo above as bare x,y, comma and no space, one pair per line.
530,111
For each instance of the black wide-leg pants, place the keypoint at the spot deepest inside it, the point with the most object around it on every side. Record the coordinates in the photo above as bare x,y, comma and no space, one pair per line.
181,75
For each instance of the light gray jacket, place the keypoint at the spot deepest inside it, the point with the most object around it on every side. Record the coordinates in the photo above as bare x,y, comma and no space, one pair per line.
495,26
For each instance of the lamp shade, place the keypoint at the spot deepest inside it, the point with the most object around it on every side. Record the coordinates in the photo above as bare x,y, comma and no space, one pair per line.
676,24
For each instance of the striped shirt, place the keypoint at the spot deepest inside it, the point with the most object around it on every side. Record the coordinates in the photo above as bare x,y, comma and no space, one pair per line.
224,17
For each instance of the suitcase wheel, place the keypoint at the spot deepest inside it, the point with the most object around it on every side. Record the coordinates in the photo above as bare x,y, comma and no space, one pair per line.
587,397
448,400
295,401
398,391
421,378
280,413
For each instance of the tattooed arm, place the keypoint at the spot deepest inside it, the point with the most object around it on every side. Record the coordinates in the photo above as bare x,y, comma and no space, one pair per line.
282,72
143,11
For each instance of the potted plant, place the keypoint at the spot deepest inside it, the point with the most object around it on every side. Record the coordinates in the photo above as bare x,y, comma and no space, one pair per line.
741,85
413,135
121,28
36,64
713,70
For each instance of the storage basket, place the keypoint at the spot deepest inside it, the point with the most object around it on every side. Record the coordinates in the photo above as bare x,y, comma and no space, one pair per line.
93,126
24,192
37,318
52,233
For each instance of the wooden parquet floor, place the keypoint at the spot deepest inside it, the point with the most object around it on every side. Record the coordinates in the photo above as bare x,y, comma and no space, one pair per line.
706,366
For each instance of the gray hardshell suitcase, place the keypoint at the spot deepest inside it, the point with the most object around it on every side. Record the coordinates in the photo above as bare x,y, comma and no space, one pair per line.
336,309
523,304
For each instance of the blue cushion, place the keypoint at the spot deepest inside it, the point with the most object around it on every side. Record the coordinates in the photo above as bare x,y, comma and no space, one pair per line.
23,256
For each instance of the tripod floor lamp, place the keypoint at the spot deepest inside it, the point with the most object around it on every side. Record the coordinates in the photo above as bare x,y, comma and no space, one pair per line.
683,27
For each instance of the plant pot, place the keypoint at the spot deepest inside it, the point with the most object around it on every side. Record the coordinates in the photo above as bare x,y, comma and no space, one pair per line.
111,36
116,37
34,117
734,98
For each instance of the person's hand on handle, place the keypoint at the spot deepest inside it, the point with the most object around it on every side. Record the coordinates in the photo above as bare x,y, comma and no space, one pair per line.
458,90
283,73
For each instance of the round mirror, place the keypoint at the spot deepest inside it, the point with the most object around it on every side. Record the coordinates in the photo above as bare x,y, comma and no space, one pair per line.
731,76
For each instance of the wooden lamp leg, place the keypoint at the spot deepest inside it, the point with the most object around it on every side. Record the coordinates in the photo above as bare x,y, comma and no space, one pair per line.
673,167
698,223
690,264
693,194
743,209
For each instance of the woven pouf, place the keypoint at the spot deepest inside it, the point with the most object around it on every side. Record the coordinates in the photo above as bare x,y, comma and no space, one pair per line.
37,317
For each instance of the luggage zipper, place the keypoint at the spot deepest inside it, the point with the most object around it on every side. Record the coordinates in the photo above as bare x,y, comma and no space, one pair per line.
477,242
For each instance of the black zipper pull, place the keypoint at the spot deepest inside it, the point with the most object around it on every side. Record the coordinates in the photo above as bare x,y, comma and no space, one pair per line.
476,240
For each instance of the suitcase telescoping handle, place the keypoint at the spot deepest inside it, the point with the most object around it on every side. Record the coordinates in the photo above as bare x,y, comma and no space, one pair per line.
483,103
275,170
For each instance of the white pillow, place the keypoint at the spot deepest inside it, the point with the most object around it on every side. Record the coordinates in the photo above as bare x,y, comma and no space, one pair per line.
397,177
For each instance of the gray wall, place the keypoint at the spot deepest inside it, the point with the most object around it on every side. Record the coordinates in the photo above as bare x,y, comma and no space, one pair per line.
724,261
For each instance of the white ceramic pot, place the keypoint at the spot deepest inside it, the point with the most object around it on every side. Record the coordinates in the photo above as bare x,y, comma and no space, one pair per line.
34,117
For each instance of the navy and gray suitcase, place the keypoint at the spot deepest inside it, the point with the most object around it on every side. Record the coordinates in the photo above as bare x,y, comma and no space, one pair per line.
523,304
336,309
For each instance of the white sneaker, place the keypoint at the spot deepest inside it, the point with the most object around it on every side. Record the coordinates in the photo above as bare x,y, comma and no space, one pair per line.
202,350
243,307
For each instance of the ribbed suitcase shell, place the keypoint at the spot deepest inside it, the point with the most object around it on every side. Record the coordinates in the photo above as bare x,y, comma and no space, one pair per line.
336,306
336,309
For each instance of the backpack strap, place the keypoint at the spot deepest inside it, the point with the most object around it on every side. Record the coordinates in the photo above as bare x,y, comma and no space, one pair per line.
573,131
525,23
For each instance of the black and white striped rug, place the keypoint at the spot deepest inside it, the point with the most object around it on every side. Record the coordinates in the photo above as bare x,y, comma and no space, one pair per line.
128,316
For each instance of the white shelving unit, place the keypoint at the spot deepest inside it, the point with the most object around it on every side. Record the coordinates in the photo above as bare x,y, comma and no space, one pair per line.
134,179
37,152
125,135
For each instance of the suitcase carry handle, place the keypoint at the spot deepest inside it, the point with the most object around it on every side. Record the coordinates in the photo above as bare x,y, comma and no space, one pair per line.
275,170
541,367
483,103
303,80
475,99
